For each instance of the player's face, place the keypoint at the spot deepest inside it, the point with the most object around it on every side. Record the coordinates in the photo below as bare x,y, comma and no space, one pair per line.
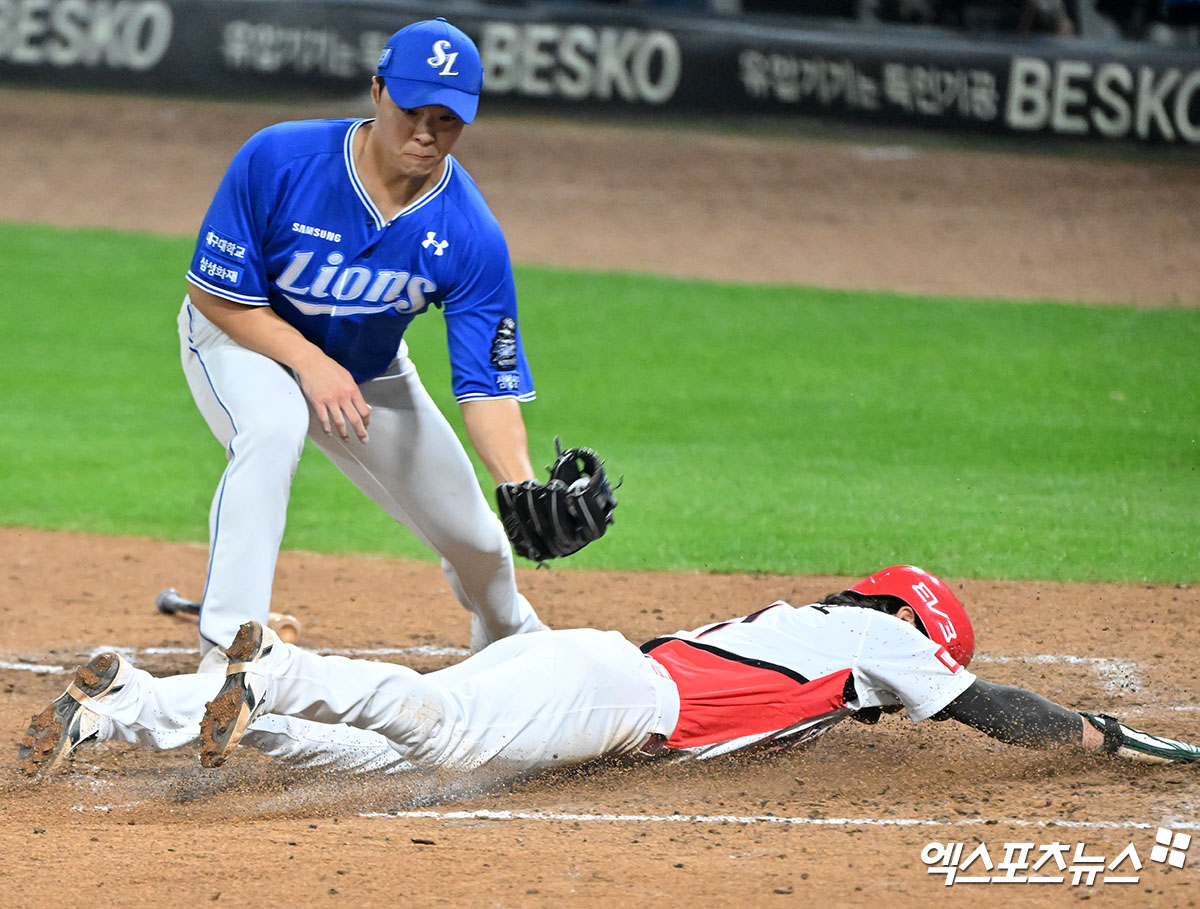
417,139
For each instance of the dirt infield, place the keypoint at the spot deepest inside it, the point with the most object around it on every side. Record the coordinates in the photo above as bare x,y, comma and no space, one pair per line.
842,822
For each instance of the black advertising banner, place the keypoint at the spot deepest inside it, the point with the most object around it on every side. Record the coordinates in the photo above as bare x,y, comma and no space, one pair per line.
627,60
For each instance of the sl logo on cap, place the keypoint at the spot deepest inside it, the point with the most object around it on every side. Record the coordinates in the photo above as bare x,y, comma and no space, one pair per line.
443,59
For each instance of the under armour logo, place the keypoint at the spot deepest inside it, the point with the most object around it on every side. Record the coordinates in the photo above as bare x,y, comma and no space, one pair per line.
432,240
442,59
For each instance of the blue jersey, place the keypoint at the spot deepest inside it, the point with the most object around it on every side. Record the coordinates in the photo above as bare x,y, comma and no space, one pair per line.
292,227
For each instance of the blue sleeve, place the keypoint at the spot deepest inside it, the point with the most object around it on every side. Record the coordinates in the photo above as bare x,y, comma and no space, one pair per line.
487,358
228,260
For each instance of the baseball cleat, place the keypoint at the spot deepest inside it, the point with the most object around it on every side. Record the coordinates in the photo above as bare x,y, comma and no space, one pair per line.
238,703
57,732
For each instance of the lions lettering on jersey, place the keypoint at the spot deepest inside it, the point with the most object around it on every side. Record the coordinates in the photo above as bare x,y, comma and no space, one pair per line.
293,227
374,289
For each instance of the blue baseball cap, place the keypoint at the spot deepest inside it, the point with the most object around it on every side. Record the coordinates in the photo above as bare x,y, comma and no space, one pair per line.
432,62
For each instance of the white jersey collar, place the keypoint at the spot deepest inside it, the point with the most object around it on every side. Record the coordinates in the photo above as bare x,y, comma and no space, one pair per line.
360,191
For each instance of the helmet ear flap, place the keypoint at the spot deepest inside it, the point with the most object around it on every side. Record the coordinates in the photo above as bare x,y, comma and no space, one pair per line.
943,618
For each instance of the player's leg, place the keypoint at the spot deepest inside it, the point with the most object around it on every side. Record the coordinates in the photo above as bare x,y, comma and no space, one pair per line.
415,468
306,745
111,700
526,702
165,713
257,411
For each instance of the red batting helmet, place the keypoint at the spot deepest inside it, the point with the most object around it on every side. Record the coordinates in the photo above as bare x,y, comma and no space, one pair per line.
940,611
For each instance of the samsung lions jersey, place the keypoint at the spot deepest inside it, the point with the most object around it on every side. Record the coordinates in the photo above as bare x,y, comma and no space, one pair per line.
291,227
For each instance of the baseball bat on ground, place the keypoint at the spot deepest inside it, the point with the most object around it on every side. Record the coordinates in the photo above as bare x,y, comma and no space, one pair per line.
171,602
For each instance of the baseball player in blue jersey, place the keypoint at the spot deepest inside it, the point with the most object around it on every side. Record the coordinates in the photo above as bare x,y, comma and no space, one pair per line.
325,239
897,640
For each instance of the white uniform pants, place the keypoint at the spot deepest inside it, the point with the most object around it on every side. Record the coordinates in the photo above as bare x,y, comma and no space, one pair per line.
165,713
528,702
414,467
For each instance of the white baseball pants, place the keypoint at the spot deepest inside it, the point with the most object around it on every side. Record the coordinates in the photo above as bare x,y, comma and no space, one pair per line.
414,467
528,702
165,713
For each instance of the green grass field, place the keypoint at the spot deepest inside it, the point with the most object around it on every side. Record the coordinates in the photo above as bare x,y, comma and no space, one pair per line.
757,429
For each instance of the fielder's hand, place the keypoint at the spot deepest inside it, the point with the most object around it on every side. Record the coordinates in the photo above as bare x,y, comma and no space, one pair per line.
335,397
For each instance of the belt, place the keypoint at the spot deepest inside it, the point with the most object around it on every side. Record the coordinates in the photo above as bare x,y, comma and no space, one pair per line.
655,742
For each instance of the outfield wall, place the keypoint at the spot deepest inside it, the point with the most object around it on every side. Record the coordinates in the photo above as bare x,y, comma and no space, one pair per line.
553,57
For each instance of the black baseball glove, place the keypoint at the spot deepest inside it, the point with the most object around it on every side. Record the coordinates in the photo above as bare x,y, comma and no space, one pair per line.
561,516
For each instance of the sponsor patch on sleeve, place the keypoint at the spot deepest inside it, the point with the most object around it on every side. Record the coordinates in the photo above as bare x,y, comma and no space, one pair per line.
219,271
224,246
948,661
